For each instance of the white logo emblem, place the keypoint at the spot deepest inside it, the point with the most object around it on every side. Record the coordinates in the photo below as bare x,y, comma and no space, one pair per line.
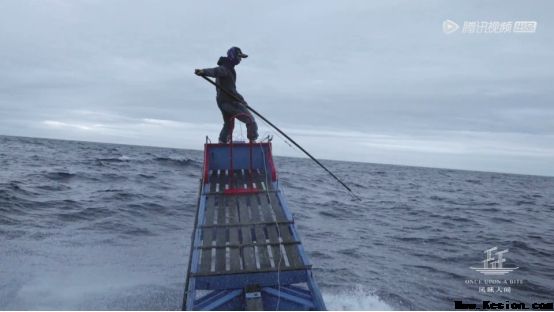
449,26
492,265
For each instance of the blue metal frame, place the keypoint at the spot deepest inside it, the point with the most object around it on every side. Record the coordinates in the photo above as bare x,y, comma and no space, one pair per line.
219,155
229,281
284,290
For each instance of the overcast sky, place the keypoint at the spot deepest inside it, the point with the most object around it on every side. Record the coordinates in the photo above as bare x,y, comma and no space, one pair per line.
371,81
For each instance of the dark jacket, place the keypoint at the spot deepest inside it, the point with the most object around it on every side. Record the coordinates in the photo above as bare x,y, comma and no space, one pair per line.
226,77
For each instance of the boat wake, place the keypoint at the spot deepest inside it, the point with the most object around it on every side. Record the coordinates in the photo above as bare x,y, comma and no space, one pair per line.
354,299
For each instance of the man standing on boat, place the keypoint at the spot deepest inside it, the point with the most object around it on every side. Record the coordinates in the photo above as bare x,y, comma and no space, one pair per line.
226,77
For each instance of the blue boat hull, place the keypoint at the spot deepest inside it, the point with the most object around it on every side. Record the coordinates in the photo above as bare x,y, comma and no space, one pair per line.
246,253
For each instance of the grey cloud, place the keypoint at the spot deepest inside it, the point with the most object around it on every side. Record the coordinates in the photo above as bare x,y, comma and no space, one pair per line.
372,67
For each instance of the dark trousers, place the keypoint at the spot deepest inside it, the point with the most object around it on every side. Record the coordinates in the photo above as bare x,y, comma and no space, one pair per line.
230,111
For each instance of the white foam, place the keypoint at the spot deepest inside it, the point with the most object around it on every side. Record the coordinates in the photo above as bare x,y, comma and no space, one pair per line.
354,298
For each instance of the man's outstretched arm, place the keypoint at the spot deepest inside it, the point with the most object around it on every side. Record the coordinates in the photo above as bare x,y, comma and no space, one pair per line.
212,72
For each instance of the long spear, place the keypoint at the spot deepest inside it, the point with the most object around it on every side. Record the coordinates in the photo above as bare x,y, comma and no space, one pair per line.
280,131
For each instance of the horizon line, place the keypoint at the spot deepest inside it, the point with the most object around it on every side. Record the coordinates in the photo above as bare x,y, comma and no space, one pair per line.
323,159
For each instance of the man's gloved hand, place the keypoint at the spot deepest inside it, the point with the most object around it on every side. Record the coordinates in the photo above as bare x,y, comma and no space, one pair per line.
199,72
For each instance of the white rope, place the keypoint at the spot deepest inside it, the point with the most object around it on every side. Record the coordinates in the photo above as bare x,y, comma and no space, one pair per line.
286,141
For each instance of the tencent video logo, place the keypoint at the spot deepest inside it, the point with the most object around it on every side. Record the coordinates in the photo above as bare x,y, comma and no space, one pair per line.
492,265
490,27
449,26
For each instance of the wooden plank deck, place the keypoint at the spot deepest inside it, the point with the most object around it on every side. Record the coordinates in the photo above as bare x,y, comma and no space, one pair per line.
245,233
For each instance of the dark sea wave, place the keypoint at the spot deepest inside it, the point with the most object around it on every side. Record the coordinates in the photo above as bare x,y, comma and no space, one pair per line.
102,226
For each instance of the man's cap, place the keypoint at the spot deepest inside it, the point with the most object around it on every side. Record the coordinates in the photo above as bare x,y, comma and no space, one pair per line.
236,52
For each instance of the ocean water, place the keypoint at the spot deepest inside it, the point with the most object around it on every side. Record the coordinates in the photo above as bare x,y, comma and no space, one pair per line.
102,226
